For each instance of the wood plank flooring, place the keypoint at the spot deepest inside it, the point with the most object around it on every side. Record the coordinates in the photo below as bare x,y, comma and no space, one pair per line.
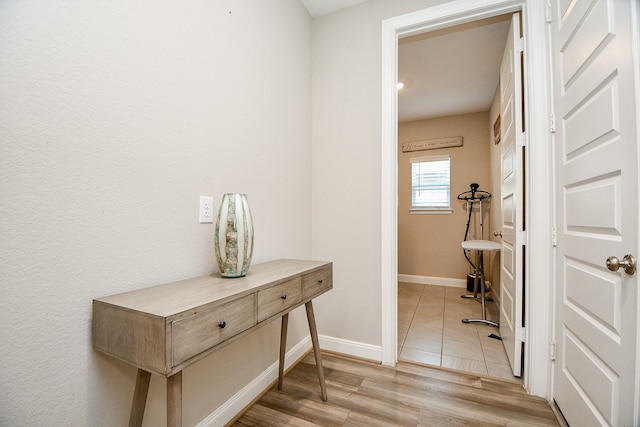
363,393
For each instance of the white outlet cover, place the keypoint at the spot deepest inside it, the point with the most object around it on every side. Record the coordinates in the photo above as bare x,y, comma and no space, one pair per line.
206,210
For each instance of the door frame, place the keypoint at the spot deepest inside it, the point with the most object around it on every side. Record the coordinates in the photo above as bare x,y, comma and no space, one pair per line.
538,186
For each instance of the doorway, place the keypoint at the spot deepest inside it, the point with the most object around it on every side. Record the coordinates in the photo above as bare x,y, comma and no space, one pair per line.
536,347
451,90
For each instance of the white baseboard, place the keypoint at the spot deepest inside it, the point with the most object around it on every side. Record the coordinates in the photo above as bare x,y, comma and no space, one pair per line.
430,280
351,348
232,407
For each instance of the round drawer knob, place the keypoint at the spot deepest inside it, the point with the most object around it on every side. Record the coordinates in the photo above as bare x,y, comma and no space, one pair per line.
284,296
222,324
319,280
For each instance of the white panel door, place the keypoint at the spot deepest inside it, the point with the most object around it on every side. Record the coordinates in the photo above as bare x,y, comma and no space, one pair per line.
596,186
512,137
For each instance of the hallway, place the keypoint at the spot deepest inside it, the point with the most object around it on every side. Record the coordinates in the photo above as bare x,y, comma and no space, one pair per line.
430,331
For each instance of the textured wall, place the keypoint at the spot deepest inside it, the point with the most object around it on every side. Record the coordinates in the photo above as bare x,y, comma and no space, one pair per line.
115,117
347,163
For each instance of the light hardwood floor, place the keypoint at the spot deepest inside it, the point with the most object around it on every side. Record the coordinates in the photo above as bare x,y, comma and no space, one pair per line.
430,331
363,393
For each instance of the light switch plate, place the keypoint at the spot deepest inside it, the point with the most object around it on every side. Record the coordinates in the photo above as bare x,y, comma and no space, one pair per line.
206,210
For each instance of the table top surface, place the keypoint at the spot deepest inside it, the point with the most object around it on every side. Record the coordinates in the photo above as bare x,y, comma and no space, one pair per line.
175,297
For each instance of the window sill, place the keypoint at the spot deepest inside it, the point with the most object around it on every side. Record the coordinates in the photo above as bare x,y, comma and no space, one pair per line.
430,212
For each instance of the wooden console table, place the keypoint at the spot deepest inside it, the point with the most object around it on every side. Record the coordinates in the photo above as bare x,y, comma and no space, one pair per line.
165,328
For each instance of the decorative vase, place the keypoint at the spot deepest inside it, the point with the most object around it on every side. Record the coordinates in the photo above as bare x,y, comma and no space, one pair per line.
233,238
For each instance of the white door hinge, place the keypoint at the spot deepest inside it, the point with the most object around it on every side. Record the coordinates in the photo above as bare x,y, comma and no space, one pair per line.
547,12
552,350
521,139
521,333
554,237
552,123
522,237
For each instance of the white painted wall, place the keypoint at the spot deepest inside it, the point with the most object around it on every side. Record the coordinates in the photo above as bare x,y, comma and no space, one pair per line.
347,202
115,116
346,169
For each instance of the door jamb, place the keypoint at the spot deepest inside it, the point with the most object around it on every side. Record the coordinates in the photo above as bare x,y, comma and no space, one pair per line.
538,181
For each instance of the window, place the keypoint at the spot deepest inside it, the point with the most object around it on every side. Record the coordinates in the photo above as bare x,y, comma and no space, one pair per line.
430,183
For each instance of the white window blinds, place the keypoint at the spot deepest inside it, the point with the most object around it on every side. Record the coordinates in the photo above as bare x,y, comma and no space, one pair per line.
430,183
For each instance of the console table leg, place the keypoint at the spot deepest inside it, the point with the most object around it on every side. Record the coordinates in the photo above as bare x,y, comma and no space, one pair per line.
139,398
283,347
174,400
316,348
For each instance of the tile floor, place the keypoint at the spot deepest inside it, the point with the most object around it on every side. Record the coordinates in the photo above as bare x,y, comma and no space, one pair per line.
430,331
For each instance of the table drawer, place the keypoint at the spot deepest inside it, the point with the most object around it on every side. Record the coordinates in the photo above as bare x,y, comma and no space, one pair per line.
278,298
317,282
197,333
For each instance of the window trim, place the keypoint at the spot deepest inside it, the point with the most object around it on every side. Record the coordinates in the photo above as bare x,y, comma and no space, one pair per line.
431,209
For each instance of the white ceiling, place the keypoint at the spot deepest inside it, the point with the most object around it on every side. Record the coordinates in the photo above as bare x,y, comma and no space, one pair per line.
451,71
322,7
446,72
